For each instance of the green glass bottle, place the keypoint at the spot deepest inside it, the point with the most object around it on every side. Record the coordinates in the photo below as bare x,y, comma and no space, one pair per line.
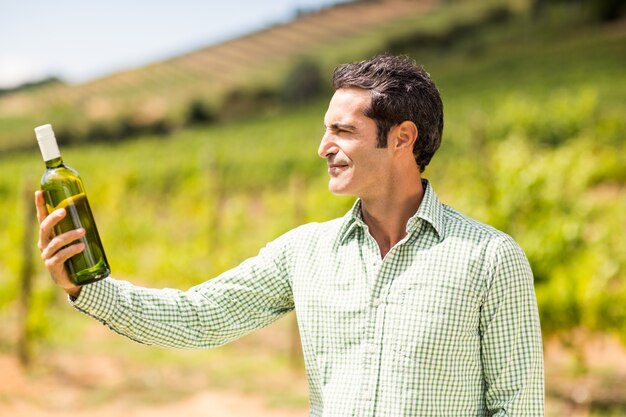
63,188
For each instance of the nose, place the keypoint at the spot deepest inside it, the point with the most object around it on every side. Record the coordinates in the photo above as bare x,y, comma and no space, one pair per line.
327,146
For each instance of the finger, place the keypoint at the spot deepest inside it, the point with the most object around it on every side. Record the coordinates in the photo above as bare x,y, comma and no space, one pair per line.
42,210
60,241
56,263
46,227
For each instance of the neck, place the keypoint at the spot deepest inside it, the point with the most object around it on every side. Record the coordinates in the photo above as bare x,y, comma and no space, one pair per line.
53,163
386,216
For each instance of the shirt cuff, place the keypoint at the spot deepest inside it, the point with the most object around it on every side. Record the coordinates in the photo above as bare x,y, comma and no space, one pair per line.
98,298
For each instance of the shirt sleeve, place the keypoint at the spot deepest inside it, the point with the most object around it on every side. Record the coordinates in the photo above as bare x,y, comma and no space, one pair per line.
220,310
512,351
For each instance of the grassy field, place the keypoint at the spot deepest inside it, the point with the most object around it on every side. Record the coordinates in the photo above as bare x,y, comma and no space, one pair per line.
534,144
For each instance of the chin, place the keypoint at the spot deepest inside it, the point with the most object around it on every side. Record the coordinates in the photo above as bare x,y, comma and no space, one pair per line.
339,190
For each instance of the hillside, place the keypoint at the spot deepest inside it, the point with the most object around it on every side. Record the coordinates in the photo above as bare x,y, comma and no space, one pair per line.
162,91
533,144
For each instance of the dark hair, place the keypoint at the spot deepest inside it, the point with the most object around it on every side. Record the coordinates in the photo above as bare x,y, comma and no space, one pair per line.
400,90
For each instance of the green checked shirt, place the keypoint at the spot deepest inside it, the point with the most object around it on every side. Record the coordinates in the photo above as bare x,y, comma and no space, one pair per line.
445,325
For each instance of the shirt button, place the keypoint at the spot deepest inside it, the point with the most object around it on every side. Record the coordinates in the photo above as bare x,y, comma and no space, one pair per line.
371,348
366,396
375,301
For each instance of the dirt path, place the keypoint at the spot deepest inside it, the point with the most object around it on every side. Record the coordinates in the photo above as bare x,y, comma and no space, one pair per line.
209,403
40,393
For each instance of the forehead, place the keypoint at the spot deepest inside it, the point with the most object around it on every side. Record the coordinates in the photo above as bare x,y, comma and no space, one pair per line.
347,104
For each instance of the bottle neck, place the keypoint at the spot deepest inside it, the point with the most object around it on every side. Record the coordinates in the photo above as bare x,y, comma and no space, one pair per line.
54,163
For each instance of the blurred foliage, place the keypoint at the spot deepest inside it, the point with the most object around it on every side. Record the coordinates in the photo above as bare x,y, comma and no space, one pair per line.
303,83
444,37
200,113
554,177
597,10
32,85
241,103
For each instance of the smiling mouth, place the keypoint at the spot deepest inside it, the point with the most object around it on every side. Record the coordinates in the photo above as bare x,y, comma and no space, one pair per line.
336,168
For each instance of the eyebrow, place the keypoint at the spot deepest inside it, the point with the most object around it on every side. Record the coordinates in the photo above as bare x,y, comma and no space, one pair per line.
341,126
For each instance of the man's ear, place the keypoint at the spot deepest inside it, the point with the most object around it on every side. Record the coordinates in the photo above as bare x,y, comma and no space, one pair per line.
405,135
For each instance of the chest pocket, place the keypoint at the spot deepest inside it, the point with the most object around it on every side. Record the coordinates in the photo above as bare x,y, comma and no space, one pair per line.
431,313
333,315
343,318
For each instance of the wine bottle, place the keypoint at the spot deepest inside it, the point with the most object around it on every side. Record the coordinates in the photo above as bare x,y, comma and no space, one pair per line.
63,188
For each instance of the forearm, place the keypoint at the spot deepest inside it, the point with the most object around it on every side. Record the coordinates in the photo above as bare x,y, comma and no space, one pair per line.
164,317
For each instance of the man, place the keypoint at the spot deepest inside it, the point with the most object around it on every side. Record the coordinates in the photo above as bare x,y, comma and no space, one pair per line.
405,306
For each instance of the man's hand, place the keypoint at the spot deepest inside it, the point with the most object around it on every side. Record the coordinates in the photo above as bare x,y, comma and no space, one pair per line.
53,252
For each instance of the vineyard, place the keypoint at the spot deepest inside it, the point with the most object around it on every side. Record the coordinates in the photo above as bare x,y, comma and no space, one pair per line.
534,144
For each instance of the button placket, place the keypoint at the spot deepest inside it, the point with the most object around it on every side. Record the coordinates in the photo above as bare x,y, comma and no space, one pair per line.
371,344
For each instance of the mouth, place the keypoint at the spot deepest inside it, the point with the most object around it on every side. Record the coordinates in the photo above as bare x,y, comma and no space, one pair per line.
336,168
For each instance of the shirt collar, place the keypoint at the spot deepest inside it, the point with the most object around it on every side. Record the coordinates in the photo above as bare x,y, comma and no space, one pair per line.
430,211
351,220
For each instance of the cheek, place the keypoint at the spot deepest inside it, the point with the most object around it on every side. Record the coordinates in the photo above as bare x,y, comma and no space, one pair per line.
371,164
376,167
